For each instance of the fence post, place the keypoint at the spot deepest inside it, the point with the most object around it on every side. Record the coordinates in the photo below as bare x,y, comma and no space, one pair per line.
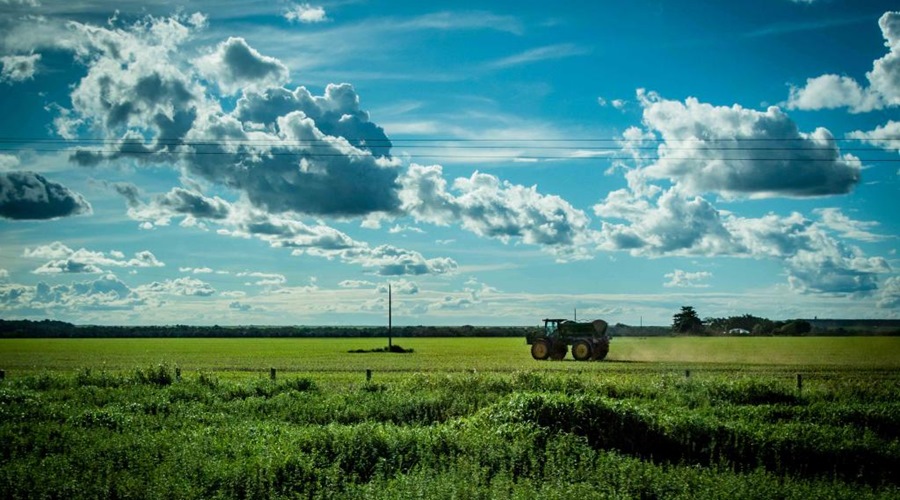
799,382
368,375
687,374
178,373
272,373
2,374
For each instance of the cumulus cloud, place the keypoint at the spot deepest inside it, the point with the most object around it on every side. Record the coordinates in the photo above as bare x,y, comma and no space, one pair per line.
177,202
102,294
66,260
402,287
306,13
186,286
285,231
264,279
684,279
18,68
884,136
835,220
286,150
240,306
27,195
736,151
833,91
490,207
889,298
672,223
356,284
235,65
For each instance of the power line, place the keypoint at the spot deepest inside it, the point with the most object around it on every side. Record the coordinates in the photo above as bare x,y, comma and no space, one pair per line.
310,155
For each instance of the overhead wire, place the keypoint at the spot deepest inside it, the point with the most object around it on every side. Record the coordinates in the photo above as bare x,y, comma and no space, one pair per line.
581,148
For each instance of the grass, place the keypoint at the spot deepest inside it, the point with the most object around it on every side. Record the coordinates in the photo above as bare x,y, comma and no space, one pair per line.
441,354
457,418
144,433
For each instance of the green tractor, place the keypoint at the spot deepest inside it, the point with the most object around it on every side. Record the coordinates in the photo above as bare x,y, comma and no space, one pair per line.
588,340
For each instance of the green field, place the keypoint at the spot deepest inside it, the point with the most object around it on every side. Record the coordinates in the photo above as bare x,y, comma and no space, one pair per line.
441,354
458,418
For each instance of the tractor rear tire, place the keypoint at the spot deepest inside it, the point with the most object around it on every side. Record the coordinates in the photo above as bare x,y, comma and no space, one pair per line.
558,351
540,349
582,350
601,349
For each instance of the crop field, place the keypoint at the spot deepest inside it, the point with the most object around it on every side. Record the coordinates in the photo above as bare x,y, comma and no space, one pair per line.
457,418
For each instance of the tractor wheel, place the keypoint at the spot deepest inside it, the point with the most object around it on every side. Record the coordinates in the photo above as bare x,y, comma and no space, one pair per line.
559,350
540,349
601,349
582,350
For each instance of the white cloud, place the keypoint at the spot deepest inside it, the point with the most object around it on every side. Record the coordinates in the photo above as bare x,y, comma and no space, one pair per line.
684,279
557,51
306,13
8,162
672,223
490,207
240,306
4,275
195,270
186,286
889,297
356,284
615,103
833,91
66,260
30,196
235,65
177,202
835,220
401,286
102,294
17,69
264,279
736,151
885,136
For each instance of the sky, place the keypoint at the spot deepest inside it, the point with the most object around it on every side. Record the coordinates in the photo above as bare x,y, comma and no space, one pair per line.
493,163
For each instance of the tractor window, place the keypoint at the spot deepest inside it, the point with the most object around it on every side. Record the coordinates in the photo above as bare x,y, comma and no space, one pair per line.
550,328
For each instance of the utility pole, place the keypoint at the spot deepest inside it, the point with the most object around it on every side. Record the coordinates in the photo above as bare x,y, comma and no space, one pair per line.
576,313
390,343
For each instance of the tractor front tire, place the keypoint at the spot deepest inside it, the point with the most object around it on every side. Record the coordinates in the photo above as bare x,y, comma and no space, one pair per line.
558,351
540,349
581,350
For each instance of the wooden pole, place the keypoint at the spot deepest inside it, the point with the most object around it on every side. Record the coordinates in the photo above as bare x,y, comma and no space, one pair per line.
368,375
799,382
390,311
272,373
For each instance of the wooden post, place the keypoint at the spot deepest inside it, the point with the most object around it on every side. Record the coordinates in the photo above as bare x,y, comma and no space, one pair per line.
390,310
178,373
368,375
799,382
272,373
2,374
687,374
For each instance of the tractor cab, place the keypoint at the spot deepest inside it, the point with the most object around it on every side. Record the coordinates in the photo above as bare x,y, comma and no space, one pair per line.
551,327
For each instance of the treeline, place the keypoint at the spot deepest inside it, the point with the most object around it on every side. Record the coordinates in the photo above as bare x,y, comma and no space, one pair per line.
755,325
60,329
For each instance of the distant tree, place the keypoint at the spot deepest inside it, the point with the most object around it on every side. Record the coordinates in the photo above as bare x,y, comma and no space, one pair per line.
687,321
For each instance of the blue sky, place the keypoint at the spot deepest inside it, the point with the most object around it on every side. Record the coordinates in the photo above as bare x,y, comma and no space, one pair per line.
283,163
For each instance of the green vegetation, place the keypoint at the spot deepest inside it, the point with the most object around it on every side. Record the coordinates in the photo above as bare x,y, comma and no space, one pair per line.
439,354
200,418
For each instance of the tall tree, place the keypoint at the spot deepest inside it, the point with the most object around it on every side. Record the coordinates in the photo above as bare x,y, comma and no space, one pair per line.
687,321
